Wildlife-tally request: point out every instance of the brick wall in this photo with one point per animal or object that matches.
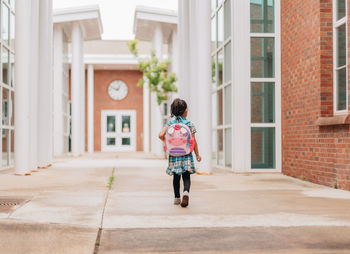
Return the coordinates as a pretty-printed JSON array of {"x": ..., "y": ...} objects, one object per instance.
[
  {"x": 133, "y": 101},
  {"x": 310, "y": 152}
]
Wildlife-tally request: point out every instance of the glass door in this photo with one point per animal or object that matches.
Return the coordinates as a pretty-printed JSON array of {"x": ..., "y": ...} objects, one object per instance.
[{"x": 118, "y": 130}]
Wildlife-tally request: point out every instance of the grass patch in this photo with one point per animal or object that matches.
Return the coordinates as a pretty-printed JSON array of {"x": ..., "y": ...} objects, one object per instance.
[{"x": 111, "y": 180}]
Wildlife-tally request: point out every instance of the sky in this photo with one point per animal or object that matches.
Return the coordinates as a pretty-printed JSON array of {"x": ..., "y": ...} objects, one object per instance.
[{"x": 117, "y": 15}]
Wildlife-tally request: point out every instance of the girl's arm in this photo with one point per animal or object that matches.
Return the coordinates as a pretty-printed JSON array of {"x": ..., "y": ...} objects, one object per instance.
[
  {"x": 161, "y": 135},
  {"x": 199, "y": 158}
]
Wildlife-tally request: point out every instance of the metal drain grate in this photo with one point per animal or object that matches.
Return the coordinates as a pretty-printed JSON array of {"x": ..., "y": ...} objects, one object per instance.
[{"x": 9, "y": 204}]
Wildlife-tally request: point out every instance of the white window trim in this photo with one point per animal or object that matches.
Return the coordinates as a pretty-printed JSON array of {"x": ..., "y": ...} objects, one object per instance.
[
  {"x": 336, "y": 25},
  {"x": 222, "y": 87},
  {"x": 10, "y": 128},
  {"x": 277, "y": 83}
]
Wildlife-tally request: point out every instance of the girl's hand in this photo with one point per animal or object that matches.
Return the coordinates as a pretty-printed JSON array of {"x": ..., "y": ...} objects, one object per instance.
[{"x": 199, "y": 158}]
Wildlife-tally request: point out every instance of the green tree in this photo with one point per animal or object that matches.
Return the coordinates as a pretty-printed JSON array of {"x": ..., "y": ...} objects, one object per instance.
[{"x": 155, "y": 72}]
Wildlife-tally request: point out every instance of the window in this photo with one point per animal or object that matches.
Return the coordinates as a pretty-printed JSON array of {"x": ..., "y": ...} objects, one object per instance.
[
  {"x": 66, "y": 105},
  {"x": 222, "y": 83},
  {"x": 340, "y": 56},
  {"x": 7, "y": 84},
  {"x": 165, "y": 111},
  {"x": 262, "y": 16},
  {"x": 263, "y": 84}
]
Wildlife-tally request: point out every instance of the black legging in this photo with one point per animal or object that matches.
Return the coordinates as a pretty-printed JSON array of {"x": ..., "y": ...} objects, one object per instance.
[{"x": 186, "y": 177}]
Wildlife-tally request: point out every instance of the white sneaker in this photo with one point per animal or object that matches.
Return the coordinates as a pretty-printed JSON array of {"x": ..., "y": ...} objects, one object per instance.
[
  {"x": 177, "y": 201},
  {"x": 185, "y": 199}
]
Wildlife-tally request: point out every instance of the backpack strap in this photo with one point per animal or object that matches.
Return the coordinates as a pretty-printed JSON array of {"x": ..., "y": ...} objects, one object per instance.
[{"x": 180, "y": 119}]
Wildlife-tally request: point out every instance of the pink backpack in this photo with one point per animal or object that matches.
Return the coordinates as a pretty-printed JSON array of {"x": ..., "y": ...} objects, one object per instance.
[{"x": 179, "y": 140}]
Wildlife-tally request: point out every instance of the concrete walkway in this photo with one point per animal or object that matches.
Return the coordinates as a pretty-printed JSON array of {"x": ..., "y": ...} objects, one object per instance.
[{"x": 69, "y": 209}]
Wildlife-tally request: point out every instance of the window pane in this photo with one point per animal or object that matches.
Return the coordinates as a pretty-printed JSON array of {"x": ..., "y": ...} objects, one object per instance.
[
  {"x": 214, "y": 109},
  {"x": 263, "y": 103},
  {"x": 110, "y": 141},
  {"x": 12, "y": 2},
  {"x": 228, "y": 104},
  {"x": 5, "y": 23},
  {"x": 12, "y": 30},
  {"x": 220, "y": 148},
  {"x": 215, "y": 146},
  {"x": 125, "y": 124},
  {"x": 262, "y": 58},
  {"x": 340, "y": 9},
  {"x": 219, "y": 108},
  {"x": 228, "y": 147},
  {"x": 125, "y": 141},
  {"x": 262, "y": 16},
  {"x": 12, "y": 154},
  {"x": 110, "y": 123},
  {"x": 263, "y": 147},
  {"x": 213, "y": 71},
  {"x": 12, "y": 66},
  {"x": 12, "y": 109},
  {"x": 5, "y": 106},
  {"x": 220, "y": 67},
  {"x": 213, "y": 34},
  {"x": 220, "y": 26},
  {"x": 5, "y": 67},
  {"x": 227, "y": 14},
  {"x": 227, "y": 64},
  {"x": 341, "y": 45},
  {"x": 213, "y": 5},
  {"x": 5, "y": 145},
  {"x": 341, "y": 89},
  {"x": 165, "y": 108}
]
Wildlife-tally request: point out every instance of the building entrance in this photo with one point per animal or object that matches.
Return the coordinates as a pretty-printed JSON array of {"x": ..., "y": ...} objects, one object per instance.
[{"x": 118, "y": 130}]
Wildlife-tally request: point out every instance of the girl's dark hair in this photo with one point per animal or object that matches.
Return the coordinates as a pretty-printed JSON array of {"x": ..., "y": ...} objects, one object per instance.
[{"x": 178, "y": 107}]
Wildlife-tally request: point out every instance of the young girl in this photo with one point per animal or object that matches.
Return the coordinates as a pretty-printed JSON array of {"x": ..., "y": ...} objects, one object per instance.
[{"x": 181, "y": 165}]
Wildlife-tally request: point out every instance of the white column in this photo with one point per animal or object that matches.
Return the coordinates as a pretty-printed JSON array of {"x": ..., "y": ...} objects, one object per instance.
[
  {"x": 203, "y": 94},
  {"x": 156, "y": 116},
  {"x": 76, "y": 79},
  {"x": 175, "y": 60},
  {"x": 50, "y": 84},
  {"x": 34, "y": 86},
  {"x": 45, "y": 84},
  {"x": 175, "y": 52},
  {"x": 22, "y": 75},
  {"x": 82, "y": 101},
  {"x": 90, "y": 73},
  {"x": 193, "y": 60},
  {"x": 241, "y": 89},
  {"x": 58, "y": 126},
  {"x": 157, "y": 42},
  {"x": 183, "y": 34},
  {"x": 146, "y": 114}
]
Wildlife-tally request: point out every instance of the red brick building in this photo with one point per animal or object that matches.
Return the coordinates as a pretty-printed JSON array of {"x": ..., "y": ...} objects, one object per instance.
[
  {"x": 287, "y": 108},
  {"x": 315, "y": 133}
]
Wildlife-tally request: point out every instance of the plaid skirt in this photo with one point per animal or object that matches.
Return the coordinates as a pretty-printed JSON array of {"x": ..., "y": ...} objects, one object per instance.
[{"x": 181, "y": 164}]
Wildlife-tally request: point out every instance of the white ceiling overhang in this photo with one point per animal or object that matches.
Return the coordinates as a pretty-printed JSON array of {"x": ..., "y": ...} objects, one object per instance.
[
  {"x": 146, "y": 19},
  {"x": 88, "y": 17}
]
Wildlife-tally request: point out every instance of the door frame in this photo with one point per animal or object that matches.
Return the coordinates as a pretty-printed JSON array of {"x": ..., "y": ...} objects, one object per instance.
[{"x": 119, "y": 134}]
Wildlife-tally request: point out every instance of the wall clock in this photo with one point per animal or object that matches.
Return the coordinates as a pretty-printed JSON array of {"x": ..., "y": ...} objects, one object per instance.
[{"x": 117, "y": 90}]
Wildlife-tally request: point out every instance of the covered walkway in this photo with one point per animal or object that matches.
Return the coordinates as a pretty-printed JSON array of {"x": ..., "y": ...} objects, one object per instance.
[{"x": 68, "y": 208}]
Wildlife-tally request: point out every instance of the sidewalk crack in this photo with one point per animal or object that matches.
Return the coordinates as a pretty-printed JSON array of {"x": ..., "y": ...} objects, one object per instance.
[{"x": 109, "y": 186}]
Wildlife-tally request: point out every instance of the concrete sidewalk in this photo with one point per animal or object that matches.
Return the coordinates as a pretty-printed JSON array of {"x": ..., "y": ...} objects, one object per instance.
[{"x": 68, "y": 205}]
